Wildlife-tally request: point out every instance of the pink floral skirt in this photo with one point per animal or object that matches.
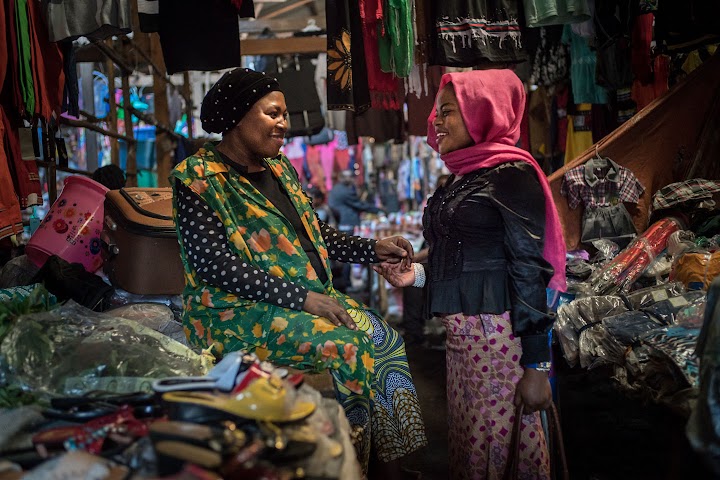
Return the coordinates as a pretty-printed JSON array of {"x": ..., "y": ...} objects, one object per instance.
[{"x": 483, "y": 370}]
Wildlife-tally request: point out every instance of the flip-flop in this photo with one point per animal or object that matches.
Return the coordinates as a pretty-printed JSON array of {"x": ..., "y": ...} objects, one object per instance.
[
  {"x": 223, "y": 377},
  {"x": 265, "y": 400},
  {"x": 226, "y": 440}
]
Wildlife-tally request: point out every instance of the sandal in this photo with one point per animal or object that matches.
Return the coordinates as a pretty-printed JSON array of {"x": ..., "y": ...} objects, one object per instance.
[
  {"x": 223, "y": 377},
  {"x": 265, "y": 400}
]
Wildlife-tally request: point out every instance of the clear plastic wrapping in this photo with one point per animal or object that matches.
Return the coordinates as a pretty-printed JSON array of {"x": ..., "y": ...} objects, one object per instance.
[
  {"x": 649, "y": 295},
  {"x": 579, "y": 316},
  {"x": 623, "y": 270},
  {"x": 72, "y": 350}
]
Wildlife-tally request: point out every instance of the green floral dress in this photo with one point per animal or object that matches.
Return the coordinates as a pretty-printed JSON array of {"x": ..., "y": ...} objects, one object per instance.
[{"x": 372, "y": 378}]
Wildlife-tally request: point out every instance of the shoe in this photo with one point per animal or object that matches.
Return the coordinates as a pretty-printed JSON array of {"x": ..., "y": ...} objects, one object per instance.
[
  {"x": 223, "y": 377},
  {"x": 264, "y": 400}
]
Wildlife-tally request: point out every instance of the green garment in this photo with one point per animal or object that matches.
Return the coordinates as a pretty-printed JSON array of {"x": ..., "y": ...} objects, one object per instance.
[
  {"x": 396, "y": 43},
  {"x": 25, "y": 56}
]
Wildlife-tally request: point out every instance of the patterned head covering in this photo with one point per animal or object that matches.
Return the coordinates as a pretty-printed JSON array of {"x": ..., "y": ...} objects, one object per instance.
[{"x": 231, "y": 98}]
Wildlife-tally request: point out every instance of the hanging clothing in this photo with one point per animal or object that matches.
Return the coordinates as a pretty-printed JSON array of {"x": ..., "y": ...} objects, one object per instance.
[
  {"x": 24, "y": 173},
  {"x": 555, "y": 12},
  {"x": 382, "y": 125},
  {"x": 551, "y": 60},
  {"x": 201, "y": 36},
  {"x": 579, "y": 132},
  {"x": 10, "y": 214},
  {"x": 477, "y": 32},
  {"x": 600, "y": 182},
  {"x": 583, "y": 62},
  {"x": 602, "y": 186},
  {"x": 296, "y": 76},
  {"x": 96, "y": 20},
  {"x": 383, "y": 85},
  {"x": 47, "y": 66},
  {"x": 371, "y": 359},
  {"x": 422, "y": 101},
  {"x": 24, "y": 65},
  {"x": 424, "y": 28},
  {"x": 347, "y": 81},
  {"x": 397, "y": 42}
]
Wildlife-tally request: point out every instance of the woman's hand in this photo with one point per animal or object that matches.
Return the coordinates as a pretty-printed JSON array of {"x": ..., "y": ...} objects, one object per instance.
[
  {"x": 325, "y": 306},
  {"x": 533, "y": 391},
  {"x": 396, "y": 274},
  {"x": 395, "y": 250}
]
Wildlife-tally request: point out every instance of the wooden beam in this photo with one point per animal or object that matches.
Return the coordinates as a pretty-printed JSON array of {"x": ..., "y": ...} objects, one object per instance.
[
  {"x": 188, "y": 104},
  {"x": 91, "y": 126},
  {"x": 286, "y": 9},
  {"x": 112, "y": 115},
  {"x": 130, "y": 159},
  {"x": 280, "y": 25},
  {"x": 163, "y": 143},
  {"x": 280, "y": 46}
]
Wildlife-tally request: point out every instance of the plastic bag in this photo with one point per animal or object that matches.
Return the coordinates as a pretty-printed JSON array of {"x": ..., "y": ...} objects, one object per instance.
[
  {"x": 692, "y": 315},
  {"x": 649, "y": 295},
  {"x": 665, "y": 311},
  {"x": 153, "y": 315},
  {"x": 72, "y": 350},
  {"x": 578, "y": 316}
]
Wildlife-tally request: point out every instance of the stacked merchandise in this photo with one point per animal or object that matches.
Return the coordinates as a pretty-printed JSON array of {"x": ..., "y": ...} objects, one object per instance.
[
  {"x": 108, "y": 392},
  {"x": 641, "y": 309}
]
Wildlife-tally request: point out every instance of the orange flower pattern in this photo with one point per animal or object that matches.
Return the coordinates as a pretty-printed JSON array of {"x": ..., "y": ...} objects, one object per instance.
[
  {"x": 259, "y": 236},
  {"x": 340, "y": 61}
]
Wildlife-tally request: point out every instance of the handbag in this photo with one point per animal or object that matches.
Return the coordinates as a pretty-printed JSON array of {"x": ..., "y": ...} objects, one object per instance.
[{"x": 556, "y": 448}]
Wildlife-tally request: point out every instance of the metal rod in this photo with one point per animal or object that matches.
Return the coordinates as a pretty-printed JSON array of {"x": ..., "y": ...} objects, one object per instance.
[{"x": 91, "y": 126}]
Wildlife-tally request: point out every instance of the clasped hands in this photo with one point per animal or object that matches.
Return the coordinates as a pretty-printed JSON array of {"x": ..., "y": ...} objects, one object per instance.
[{"x": 395, "y": 254}]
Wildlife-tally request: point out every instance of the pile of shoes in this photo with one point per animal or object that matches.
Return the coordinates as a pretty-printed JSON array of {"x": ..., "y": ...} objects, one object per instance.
[{"x": 244, "y": 419}]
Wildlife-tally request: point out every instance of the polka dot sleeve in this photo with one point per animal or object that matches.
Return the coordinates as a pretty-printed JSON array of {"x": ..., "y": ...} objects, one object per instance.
[
  {"x": 348, "y": 248},
  {"x": 203, "y": 238}
]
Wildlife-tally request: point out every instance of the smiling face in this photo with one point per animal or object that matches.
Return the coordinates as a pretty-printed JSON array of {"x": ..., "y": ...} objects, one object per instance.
[
  {"x": 449, "y": 125},
  {"x": 261, "y": 131}
]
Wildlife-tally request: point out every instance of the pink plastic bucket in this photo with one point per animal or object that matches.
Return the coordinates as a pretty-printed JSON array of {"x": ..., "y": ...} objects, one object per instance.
[{"x": 71, "y": 229}]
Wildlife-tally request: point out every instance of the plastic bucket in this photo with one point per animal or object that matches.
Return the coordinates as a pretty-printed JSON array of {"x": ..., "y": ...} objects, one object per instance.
[{"x": 71, "y": 229}]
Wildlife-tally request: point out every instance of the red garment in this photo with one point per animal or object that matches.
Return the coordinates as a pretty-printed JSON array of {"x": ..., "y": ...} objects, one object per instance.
[
  {"x": 492, "y": 103},
  {"x": 383, "y": 86},
  {"x": 643, "y": 94},
  {"x": 3, "y": 45},
  {"x": 11, "y": 92},
  {"x": 640, "y": 54},
  {"x": 24, "y": 173},
  {"x": 48, "y": 74},
  {"x": 10, "y": 215}
]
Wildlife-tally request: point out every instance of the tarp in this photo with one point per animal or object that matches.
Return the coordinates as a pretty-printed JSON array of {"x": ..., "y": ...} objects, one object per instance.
[{"x": 672, "y": 139}]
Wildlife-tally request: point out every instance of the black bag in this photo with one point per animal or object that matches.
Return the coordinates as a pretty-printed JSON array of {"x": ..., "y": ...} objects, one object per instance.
[{"x": 297, "y": 80}]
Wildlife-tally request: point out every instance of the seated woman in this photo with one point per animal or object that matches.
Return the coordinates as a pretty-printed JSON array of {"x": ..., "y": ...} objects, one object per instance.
[{"x": 257, "y": 269}]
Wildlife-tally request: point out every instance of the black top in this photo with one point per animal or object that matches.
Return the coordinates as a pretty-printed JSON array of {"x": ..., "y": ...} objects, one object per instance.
[
  {"x": 209, "y": 254},
  {"x": 485, "y": 234}
]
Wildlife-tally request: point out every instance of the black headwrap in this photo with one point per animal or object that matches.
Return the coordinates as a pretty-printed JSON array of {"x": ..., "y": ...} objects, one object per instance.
[{"x": 231, "y": 97}]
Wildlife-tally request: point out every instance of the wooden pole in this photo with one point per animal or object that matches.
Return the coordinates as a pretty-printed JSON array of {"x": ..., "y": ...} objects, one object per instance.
[
  {"x": 187, "y": 87},
  {"x": 130, "y": 163},
  {"x": 163, "y": 141},
  {"x": 112, "y": 115}
]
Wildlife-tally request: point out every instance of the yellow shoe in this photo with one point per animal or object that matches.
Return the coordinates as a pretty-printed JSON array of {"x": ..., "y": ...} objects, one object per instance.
[{"x": 265, "y": 399}]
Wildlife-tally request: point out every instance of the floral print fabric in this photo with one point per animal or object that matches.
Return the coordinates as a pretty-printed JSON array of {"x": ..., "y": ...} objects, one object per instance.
[{"x": 260, "y": 236}]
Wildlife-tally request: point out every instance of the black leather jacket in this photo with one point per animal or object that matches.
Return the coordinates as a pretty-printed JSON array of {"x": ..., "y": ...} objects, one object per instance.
[{"x": 486, "y": 237}]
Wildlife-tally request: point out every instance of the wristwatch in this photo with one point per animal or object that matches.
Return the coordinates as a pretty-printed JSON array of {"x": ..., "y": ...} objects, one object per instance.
[{"x": 543, "y": 366}]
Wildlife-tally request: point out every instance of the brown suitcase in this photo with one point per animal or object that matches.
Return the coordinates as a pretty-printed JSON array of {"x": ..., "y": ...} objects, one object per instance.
[{"x": 141, "y": 246}]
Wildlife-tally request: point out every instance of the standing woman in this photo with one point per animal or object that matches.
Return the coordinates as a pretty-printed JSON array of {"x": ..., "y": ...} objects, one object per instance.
[
  {"x": 257, "y": 269},
  {"x": 495, "y": 245}
]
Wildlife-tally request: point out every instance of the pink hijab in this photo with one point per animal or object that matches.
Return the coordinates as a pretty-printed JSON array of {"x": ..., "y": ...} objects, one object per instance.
[{"x": 492, "y": 103}]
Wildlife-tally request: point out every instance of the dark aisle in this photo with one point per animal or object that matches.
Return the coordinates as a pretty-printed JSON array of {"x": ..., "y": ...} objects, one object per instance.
[
  {"x": 608, "y": 436},
  {"x": 428, "y": 370}
]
